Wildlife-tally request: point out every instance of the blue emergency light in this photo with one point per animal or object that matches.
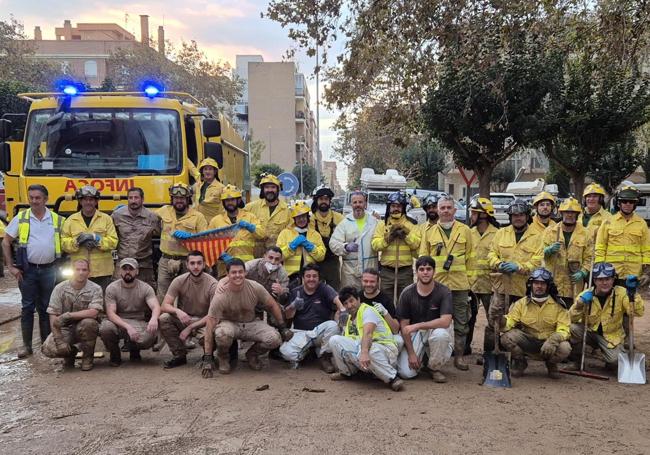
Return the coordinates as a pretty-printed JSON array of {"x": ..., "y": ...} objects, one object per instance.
[
  {"x": 151, "y": 91},
  {"x": 70, "y": 90}
]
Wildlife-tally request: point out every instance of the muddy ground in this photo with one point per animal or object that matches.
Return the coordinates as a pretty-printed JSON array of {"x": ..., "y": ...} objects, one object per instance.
[{"x": 142, "y": 409}]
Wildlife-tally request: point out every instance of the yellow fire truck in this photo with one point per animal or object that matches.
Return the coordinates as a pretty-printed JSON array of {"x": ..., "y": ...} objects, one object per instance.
[{"x": 115, "y": 141}]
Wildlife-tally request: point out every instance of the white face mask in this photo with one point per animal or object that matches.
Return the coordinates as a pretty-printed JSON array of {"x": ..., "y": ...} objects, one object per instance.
[
  {"x": 539, "y": 299},
  {"x": 446, "y": 225},
  {"x": 271, "y": 267},
  {"x": 300, "y": 230}
]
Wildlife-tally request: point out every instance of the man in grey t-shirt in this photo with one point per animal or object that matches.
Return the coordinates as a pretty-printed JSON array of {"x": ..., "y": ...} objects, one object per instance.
[{"x": 425, "y": 313}]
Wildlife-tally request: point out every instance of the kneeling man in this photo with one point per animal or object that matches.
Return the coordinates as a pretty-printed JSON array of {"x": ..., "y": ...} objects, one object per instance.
[
  {"x": 367, "y": 344},
  {"x": 126, "y": 302}
]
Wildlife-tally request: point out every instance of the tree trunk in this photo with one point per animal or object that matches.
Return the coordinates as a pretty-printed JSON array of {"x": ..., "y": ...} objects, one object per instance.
[
  {"x": 578, "y": 184},
  {"x": 484, "y": 176}
]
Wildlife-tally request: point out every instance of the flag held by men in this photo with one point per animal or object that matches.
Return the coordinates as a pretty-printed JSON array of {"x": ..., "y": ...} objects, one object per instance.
[{"x": 211, "y": 243}]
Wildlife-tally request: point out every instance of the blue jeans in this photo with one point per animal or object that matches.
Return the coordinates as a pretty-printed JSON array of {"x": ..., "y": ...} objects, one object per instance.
[{"x": 36, "y": 288}]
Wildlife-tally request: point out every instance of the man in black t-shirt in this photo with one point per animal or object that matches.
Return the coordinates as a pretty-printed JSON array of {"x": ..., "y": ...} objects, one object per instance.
[
  {"x": 372, "y": 295},
  {"x": 425, "y": 313},
  {"x": 312, "y": 308}
]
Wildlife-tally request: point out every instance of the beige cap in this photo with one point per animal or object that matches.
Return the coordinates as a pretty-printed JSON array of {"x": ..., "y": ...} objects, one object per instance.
[{"x": 129, "y": 261}]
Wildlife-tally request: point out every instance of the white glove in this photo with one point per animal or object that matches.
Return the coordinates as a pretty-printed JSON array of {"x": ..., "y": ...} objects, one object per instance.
[{"x": 380, "y": 308}]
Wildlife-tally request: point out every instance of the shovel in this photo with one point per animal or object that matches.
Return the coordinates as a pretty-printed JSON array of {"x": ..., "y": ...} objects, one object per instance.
[
  {"x": 496, "y": 364},
  {"x": 631, "y": 365}
]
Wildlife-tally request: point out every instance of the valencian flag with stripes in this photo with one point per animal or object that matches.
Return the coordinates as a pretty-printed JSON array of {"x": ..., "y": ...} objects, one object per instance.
[{"x": 211, "y": 243}]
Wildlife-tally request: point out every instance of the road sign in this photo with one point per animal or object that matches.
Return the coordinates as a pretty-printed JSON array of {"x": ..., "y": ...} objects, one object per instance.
[
  {"x": 464, "y": 174},
  {"x": 290, "y": 184}
]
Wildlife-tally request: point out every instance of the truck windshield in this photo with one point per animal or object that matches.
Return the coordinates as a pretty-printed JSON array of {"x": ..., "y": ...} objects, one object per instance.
[{"x": 108, "y": 141}]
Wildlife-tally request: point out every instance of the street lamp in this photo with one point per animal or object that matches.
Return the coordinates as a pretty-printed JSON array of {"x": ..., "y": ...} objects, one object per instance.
[{"x": 302, "y": 188}]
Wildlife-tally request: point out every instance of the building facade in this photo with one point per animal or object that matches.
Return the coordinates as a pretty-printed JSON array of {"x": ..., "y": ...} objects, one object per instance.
[
  {"x": 275, "y": 110},
  {"x": 83, "y": 51}
]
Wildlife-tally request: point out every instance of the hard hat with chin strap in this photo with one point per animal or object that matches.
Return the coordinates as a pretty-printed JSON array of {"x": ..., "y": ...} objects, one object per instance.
[
  {"x": 181, "y": 190},
  {"x": 570, "y": 205},
  {"x": 483, "y": 205},
  {"x": 544, "y": 196},
  {"x": 594, "y": 188},
  {"x": 270, "y": 178},
  {"x": 299, "y": 208},
  {"x": 230, "y": 192}
]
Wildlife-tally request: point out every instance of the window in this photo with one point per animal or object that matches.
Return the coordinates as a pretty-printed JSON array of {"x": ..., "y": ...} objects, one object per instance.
[
  {"x": 451, "y": 189},
  {"x": 90, "y": 68}
]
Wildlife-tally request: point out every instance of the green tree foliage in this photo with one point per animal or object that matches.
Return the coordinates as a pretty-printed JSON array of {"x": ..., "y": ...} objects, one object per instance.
[
  {"x": 558, "y": 176},
  {"x": 265, "y": 168},
  {"x": 619, "y": 161},
  {"x": 503, "y": 174},
  {"x": 184, "y": 69},
  {"x": 308, "y": 178}
]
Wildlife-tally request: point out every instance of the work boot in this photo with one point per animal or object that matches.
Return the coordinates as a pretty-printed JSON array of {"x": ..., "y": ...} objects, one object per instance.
[
  {"x": 160, "y": 343},
  {"x": 224, "y": 363},
  {"x": 175, "y": 362},
  {"x": 24, "y": 352},
  {"x": 518, "y": 367},
  {"x": 115, "y": 358},
  {"x": 44, "y": 327},
  {"x": 253, "y": 359},
  {"x": 69, "y": 360},
  {"x": 134, "y": 355},
  {"x": 396, "y": 384},
  {"x": 459, "y": 348},
  {"x": 326, "y": 363},
  {"x": 438, "y": 377},
  {"x": 553, "y": 371},
  {"x": 87, "y": 363}
]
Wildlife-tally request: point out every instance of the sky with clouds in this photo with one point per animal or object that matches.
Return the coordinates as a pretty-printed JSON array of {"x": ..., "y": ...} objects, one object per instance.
[{"x": 222, "y": 28}]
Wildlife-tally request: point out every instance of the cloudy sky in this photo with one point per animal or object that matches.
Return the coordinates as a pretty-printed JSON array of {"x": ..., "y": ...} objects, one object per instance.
[{"x": 223, "y": 28}]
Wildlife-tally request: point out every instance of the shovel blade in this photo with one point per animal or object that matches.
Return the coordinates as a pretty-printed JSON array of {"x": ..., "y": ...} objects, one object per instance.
[
  {"x": 496, "y": 370},
  {"x": 631, "y": 370}
]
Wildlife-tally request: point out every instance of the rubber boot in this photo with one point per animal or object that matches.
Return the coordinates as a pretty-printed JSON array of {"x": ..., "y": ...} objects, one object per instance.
[
  {"x": 27, "y": 329},
  {"x": 44, "y": 327},
  {"x": 553, "y": 371},
  {"x": 69, "y": 360},
  {"x": 518, "y": 366},
  {"x": 459, "y": 348}
]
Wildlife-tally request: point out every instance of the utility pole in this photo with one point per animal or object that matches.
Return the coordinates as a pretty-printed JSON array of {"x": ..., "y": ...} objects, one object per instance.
[{"x": 318, "y": 153}]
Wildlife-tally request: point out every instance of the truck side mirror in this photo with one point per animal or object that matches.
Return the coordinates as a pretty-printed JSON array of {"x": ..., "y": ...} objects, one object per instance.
[
  {"x": 5, "y": 157},
  {"x": 6, "y": 129},
  {"x": 214, "y": 151},
  {"x": 211, "y": 127}
]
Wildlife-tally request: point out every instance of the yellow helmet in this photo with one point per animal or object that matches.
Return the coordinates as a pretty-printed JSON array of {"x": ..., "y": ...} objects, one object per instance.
[
  {"x": 270, "y": 178},
  {"x": 570, "y": 205},
  {"x": 209, "y": 162},
  {"x": 230, "y": 192},
  {"x": 594, "y": 188},
  {"x": 544, "y": 196},
  {"x": 299, "y": 208},
  {"x": 181, "y": 189},
  {"x": 482, "y": 204}
]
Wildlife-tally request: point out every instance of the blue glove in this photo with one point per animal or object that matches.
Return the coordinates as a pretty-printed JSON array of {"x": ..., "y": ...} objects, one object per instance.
[
  {"x": 508, "y": 267},
  {"x": 225, "y": 257},
  {"x": 552, "y": 249},
  {"x": 250, "y": 227},
  {"x": 587, "y": 296},
  {"x": 182, "y": 235},
  {"x": 632, "y": 282},
  {"x": 578, "y": 276},
  {"x": 98, "y": 238},
  {"x": 309, "y": 246},
  {"x": 295, "y": 243}
]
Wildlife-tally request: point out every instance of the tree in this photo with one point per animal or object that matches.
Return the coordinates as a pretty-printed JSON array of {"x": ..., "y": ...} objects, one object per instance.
[
  {"x": 503, "y": 174},
  {"x": 558, "y": 176},
  {"x": 619, "y": 161},
  {"x": 9, "y": 102},
  {"x": 605, "y": 93},
  {"x": 265, "y": 168},
  {"x": 308, "y": 178},
  {"x": 185, "y": 69},
  {"x": 17, "y": 62},
  {"x": 492, "y": 81},
  {"x": 427, "y": 159}
]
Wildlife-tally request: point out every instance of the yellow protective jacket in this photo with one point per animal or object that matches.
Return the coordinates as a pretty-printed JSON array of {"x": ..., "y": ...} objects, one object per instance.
[
  {"x": 505, "y": 248},
  {"x": 580, "y": 251},
  {"x": 294, "y": 259},
  {"x": 538, "y": 321},
  {"x": 610, "y": 315},
  {"x": 325, "y": 225},
  {"x": 210, "y": 205},
  {"x": 537, "y": 227},
  {"x": 274, "y": 222},
  {"x": 625, "y": 244},
  {"x": 408, "y": 248},
  {"x": 594, "y": 222},
  {"x": 243, "y": 244},
  {"x": 101, "y": 258},
  {"x": 459, "y": 244},
  {"x": 478, "y": 267},
  {"x": 193, "y": 222}
]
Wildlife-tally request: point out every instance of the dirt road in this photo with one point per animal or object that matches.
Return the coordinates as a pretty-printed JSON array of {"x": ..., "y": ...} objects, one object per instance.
[{"x": 142, "y": 409}]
